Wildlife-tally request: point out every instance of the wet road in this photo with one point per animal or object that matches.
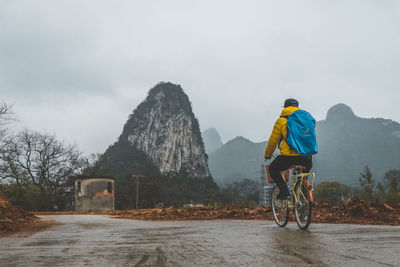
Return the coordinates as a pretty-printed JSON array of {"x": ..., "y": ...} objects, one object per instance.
[{"x": 95, "y": 240}]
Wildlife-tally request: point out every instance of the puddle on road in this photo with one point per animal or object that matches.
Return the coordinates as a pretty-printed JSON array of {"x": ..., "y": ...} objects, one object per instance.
[
  {"x": 297, "y": 243},
  {"x": 45, "y": 242},
  {"x": 90, "y": 225},
  {"x": 304, "y": 258}
]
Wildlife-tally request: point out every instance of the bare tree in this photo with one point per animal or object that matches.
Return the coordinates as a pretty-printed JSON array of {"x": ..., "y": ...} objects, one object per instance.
[
  {"x": 6, "y": 116},
  {"x": 91, "y": 164},
  {"x": 40, "y": 160}
]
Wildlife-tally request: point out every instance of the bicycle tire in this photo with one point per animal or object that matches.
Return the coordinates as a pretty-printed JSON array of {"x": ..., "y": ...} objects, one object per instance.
[
  {"x": 280, "y": 208},
  {"x": 302, "y": 208}
]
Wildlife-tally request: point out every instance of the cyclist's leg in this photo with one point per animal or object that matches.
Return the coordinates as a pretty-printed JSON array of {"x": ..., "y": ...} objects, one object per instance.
[
  {"x": 279, "y": 164},
  {"x": 307, "y": 162}
]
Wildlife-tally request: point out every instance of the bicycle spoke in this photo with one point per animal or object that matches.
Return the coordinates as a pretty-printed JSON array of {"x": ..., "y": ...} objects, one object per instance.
[
  {"x": 302, "y": 206},
  {"x": 280, "y": 209}
]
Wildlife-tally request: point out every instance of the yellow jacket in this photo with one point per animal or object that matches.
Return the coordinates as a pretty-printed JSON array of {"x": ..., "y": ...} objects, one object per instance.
[{"x": 279, "y": 132}]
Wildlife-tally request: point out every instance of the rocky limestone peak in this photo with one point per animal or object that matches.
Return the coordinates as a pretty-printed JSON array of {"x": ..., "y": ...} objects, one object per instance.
[
  {"x": 164, "y": 127},
  {"x": 340, "y": 112},
  {"x": 212, "y": 140}
]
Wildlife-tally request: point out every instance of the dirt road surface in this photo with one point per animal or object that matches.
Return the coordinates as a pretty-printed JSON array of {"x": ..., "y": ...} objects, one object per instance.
[{"x": 98, "y": 240}]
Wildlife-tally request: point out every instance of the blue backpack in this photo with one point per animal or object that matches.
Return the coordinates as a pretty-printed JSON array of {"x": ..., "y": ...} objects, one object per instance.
[{"x": 301, "y": 133}]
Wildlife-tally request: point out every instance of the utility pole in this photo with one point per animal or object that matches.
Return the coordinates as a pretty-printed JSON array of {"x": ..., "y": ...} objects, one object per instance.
[
  {"x": 137, "y": 187},
  {"x": 263, "y": 202},
  {"x": 137, "y": 191}
]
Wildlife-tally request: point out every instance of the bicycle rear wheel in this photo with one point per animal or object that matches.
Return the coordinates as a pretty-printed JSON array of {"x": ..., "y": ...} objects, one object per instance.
[
  {"x": 280, "y": 208},
  {"x": 303, "y": 206}
]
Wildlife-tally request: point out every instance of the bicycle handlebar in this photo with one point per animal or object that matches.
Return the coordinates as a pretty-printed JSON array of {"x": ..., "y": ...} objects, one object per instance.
[{"x": 272, "y": 156}]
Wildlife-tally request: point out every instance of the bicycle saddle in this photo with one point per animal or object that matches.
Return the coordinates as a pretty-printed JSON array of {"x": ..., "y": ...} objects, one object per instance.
[{"x": 301, "y": 167}]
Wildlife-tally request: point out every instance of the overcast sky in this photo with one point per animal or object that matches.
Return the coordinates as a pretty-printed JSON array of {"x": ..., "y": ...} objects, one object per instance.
[{"x": 79, "y": 68}]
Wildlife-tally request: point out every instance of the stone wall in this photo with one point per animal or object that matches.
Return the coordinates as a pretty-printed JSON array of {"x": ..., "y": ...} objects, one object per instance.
[{"x": 94, "y": 194}]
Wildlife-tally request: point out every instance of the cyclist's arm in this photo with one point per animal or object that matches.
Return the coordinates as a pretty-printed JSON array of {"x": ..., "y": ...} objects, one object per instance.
[{"x": 273, "y": 139}]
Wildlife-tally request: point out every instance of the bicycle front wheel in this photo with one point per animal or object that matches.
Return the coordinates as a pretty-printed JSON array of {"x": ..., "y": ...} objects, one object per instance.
[
  {"x": 280, "y": 208},
  {"x": 302, "y": 205}
]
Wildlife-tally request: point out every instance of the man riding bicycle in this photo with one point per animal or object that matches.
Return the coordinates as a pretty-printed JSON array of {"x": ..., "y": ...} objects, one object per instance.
[{"x": 288, "y": 156}]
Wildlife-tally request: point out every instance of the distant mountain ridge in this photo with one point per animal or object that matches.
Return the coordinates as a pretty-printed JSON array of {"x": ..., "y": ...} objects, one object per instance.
[
  {"x": 237, "y": 159},
  {"x": 346, "y": 143},
  {"x": 212, "y": 140}
]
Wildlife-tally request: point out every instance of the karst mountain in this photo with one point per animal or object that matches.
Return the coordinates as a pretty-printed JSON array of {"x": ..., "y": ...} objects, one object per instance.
[
  {"x": 162, "y": 133},
  {"x": 160, "y": 142}
]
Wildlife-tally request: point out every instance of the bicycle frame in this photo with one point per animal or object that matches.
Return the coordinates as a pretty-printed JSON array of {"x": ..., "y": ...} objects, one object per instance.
[
  {"x": 302, "y": 177},
  {"x": 296, "y": 174}
]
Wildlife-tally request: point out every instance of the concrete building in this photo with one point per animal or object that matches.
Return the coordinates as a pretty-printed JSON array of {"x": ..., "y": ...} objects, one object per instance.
[{"x": 94, "y": 194}]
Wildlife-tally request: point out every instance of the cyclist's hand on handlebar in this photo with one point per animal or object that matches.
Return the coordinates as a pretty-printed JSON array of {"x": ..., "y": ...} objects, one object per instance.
[{"x": 268, "y": 158}]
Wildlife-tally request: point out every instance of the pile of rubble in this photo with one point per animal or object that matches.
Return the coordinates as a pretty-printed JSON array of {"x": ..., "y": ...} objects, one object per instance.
[
  {"x": 12, "y": 217},
  {"x": 357, "y": 212},
  {"x": 195, "y": 213}
]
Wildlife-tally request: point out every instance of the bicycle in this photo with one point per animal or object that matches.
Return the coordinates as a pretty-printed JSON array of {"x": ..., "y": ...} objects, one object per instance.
[{"x": 300, "y": 198}]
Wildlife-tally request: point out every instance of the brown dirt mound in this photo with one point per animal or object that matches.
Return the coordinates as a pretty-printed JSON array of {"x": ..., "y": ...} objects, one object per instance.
[
  {"x": 195, "y": 213},
  {"x": 11, "y": 217},
  {"x": 71, "y": 212},
  {"x": 356, "y": 212}
]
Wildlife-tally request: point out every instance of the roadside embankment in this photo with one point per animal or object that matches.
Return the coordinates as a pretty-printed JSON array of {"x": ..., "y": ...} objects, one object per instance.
[
  {"x": 195, "y": 213},
  {"x": 355, "y": 212}
]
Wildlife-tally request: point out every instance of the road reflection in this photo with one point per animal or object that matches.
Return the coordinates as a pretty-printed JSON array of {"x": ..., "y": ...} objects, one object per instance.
[{"x": 94, "y": 240}]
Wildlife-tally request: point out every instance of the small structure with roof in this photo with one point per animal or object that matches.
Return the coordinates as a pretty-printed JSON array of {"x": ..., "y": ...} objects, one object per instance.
[{"x": 94, "y": 194}]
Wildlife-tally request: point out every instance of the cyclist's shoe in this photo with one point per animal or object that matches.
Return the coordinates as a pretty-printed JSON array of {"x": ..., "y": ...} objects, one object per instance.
[{"x": 283, "y": 193}]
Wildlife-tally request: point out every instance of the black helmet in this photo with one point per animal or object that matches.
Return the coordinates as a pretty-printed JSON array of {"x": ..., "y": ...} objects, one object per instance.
[{"x": 291, "y": 102}]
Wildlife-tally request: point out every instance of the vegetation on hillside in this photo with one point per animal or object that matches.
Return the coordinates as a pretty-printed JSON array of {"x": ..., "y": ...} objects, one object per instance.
[
  {"x": 332, "y": 192},
  {"x": 386, "y": 192}
]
